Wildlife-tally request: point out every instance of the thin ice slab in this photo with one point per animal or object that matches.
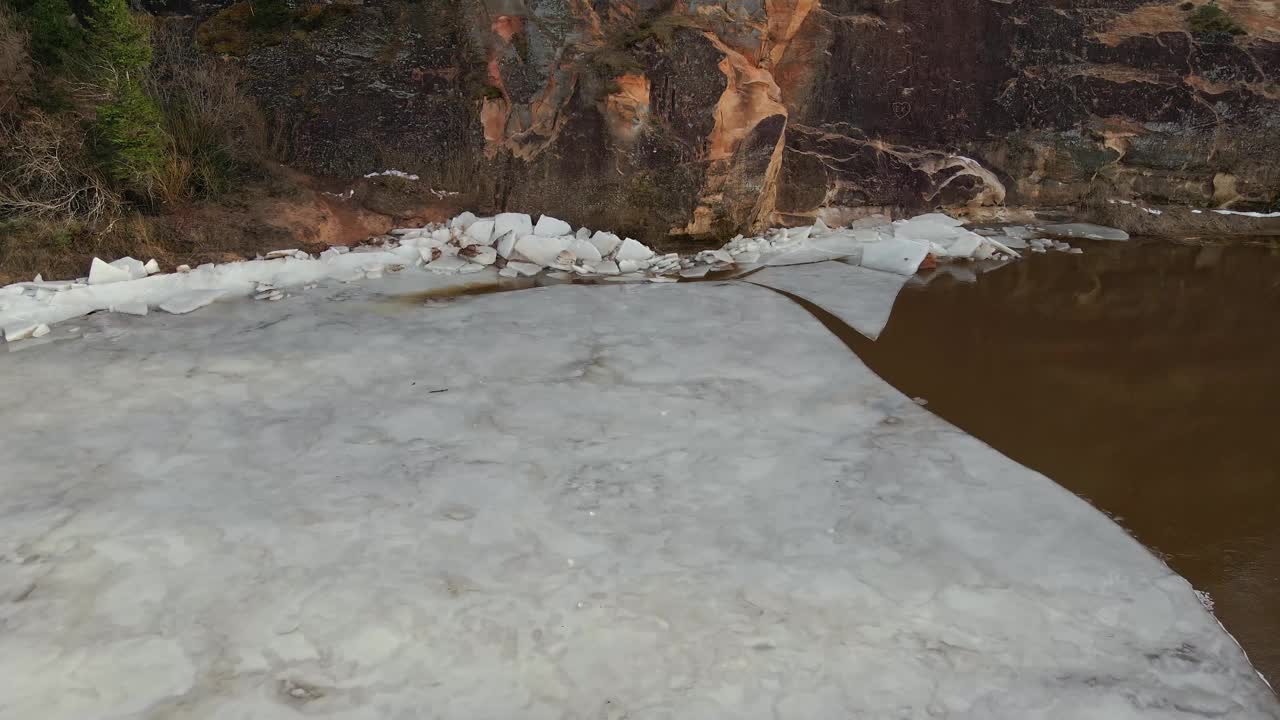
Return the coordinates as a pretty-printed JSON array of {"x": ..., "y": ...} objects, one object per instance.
[{"x": 860, "y": 297}]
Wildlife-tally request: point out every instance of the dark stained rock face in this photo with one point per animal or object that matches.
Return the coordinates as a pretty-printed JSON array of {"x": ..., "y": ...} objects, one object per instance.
[{"x": 704, "y": 118}]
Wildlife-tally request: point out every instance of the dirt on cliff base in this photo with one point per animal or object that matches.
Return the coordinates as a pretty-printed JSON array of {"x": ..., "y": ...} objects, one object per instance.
[{"x": 287, "y": 209}]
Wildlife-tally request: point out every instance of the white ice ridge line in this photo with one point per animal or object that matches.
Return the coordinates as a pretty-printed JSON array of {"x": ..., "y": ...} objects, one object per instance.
[{"x": 513, "y": 244}]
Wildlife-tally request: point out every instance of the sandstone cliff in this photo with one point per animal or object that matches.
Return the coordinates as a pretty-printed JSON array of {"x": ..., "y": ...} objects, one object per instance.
[{"x": 703, "y": 118}]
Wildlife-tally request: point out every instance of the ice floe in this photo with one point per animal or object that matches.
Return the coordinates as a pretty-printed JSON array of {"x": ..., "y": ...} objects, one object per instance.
[{"x": 680, "y": 501}]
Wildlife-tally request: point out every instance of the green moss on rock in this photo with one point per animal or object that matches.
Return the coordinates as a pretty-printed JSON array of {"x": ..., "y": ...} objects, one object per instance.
[{"x": 1210, "y": 19}]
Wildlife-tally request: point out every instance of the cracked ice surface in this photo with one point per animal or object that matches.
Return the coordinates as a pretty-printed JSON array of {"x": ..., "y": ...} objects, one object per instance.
[{"x": 687, "y": 501}]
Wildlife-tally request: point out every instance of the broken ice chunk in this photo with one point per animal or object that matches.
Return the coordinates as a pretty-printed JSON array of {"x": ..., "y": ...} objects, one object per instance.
[
  {"x": 40, "y": 331},
  {"x": 152, "y": 267},
  {"x": 711, "y": 257},
  {"x": 628, "y": 266},
  {"x": 524, "y": 268},
  {"x": 551, "y": 227},
  {"x": 541, "y": 249},
  {"x": 605, "y": 242},
  {"x": 961, "y": 245},
  {"x": 409, "y": 253},
  {"x": 933, "y": 227},
  {"x": 447, "y": 264},
  {"x": 463, "y": 221},
  {"x": 697, "y": 271},
  {"x": 585, "y": 251},
  {"x": 479, "y": 232},
  {"x": 506, "y": 243},
  {"x": 895, "y": 255},
  {"x": 101, "y": 273},
  {"x": 633, "y": 250},
  {"x": 564, "y": 260},
  {"x": 485, "y": 256},
  {"x": 607, "y": 267},
  {"x": 280, "y": 253},
  {"x": 508, "y": 272},
  {"x": 19, "y": 331},
  {"x": 583, "y": 234},
  {"x": 516, "y": 223},
  {"x": 135, "y": 268},
  {"x": 430, "y": 254}
]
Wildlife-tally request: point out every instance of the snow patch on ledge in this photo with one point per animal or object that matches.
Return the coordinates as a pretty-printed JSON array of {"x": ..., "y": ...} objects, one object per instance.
[
  {"x": 392, "y": 173},
  {"x": 1130, "y": 203},
  {"x": 1251, "y": 214}
]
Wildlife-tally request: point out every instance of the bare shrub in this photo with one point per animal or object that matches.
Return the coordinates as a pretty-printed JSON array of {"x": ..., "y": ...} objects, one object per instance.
[{"x": 46, "y": 171}]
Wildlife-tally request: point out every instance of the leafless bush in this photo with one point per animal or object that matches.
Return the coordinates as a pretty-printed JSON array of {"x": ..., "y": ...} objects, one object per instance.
[{"x": 46, "y": 171}]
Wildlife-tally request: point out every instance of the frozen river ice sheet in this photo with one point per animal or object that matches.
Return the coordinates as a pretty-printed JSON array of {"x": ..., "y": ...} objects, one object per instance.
[{"x": 685, "y": 501}]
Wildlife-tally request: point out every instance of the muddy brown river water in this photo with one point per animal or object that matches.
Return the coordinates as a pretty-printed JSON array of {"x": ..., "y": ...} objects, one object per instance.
[{"x": 1144, "y": 377}]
